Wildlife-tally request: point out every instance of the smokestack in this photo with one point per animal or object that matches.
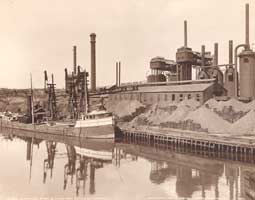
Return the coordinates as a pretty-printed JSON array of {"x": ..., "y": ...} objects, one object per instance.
[
  {"x": 247, "y": 42},
  {"x": 66, "y": 77},
  {"x": 74, "y": 59},
  {"x": 203, "y": 55},
  {"x": 119, "y": 72},
  {"x": 185, "y": 34},
  {"x": 93, "y": 61},
  {"x": 230, "y": 52},
  {"x": 215, "y": 59}
]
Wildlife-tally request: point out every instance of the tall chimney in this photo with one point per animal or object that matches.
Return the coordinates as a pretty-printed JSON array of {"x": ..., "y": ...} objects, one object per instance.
[
  {"x": 185, "y": 34},
  {"x": 93, "y": 61},
  {"x": 247, "y": 42},
  {"x": 215, "y": 59},
  {"x": 230, "y": 52},
  {"x": 74, "y": 59},
  {"x": 203, "y": 55},
  {"x": 119, "y": 72}
]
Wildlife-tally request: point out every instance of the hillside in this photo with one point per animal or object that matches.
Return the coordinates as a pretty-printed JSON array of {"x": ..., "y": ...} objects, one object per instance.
[{"x": 15, "y": 100}]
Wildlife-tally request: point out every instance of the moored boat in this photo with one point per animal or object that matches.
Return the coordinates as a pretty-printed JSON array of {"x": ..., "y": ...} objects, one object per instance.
[{"x": 98, "y": 124}]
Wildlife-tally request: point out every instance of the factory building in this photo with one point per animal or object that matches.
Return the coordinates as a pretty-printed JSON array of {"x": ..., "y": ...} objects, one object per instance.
[
  {"x": 200, "y": 90},
  {"x": 173, "y": 80}
]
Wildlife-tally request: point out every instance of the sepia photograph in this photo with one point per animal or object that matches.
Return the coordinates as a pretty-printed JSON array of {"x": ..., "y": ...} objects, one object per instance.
[{"x": 127, "y": 100}]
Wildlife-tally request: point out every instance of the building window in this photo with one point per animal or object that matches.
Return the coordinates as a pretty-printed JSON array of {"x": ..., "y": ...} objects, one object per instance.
[
  {"x": 189, "y": 96},
  {"x": 198, "y": 97},
  {"x": 180, "y": 97},
  {"x": 173, "y": 97},
  {"x": 165, "y": 97}
]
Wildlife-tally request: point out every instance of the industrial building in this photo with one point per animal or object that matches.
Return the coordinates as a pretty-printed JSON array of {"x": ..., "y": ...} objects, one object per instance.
[
  {"x": 172, "y": 80},
  {"x": 200, "y": 90},
  {"x": 192, "y": 75}
]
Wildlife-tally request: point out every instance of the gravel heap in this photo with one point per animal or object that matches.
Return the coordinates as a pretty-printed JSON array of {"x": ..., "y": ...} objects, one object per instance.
[{"x": 209, "y": 120}]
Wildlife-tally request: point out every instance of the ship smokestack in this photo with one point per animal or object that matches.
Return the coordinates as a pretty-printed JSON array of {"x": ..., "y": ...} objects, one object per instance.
[
  {"x": 93, "y": 61},
  {"x": 74, "y": 59},
  {"x": 185, "y": 34}
]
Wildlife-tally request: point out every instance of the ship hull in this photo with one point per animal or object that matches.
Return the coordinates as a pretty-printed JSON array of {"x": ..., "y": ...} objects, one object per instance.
[{"x": 96, "y": 132}]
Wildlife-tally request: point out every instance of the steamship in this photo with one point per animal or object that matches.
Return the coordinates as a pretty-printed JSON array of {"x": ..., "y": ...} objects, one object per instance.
[{"x": 98, "y": 124}]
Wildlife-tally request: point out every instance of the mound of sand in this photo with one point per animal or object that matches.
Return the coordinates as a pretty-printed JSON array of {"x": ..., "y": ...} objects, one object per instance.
[
  {"x": 209, "y": 120},
  {"x": 190, "y": 110},
  {"x": 235, "y": 104},
  {"x": 167, "y": 112},
  {"x": 245, "y": 125}
]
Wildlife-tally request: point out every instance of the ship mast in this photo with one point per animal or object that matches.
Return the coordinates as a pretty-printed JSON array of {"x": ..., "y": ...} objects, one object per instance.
[
  {"x": 32, "y": 100},
  {"x": 86, "y": 93}
]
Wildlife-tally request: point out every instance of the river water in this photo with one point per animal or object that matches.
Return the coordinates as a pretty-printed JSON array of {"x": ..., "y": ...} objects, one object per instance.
[{"x": 66, "y": 168}]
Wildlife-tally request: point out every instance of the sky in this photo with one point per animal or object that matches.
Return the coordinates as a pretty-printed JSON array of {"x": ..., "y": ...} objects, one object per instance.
[{"x": 38, "y": 35}]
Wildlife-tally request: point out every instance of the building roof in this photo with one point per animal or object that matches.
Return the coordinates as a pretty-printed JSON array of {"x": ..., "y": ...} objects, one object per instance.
[{"x": 176, "y": 88}]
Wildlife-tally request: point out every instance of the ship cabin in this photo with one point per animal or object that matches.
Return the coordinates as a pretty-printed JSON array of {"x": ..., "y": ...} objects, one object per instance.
[{"x": 97, "y": 115}]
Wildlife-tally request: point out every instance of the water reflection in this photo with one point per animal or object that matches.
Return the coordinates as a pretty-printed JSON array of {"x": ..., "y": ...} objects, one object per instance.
[
  {"x": 48, "y": 163},
  {"x": 127, "y": 171}
]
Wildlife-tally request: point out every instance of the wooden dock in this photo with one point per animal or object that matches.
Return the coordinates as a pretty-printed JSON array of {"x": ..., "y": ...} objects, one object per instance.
[{"x": 222, "y": 145}]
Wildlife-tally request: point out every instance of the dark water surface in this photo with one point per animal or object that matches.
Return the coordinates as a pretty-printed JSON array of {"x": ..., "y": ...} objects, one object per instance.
[{"x": 33, "y": 168}]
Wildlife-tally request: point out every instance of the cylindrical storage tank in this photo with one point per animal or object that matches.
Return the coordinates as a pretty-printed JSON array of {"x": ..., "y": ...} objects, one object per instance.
[{"x": 247, "y": 74}]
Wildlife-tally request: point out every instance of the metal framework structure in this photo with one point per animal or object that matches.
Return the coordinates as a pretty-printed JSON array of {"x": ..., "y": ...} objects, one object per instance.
[
  {"x": 77, "y": 88},
  {"x": 52, "y": 101}
]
